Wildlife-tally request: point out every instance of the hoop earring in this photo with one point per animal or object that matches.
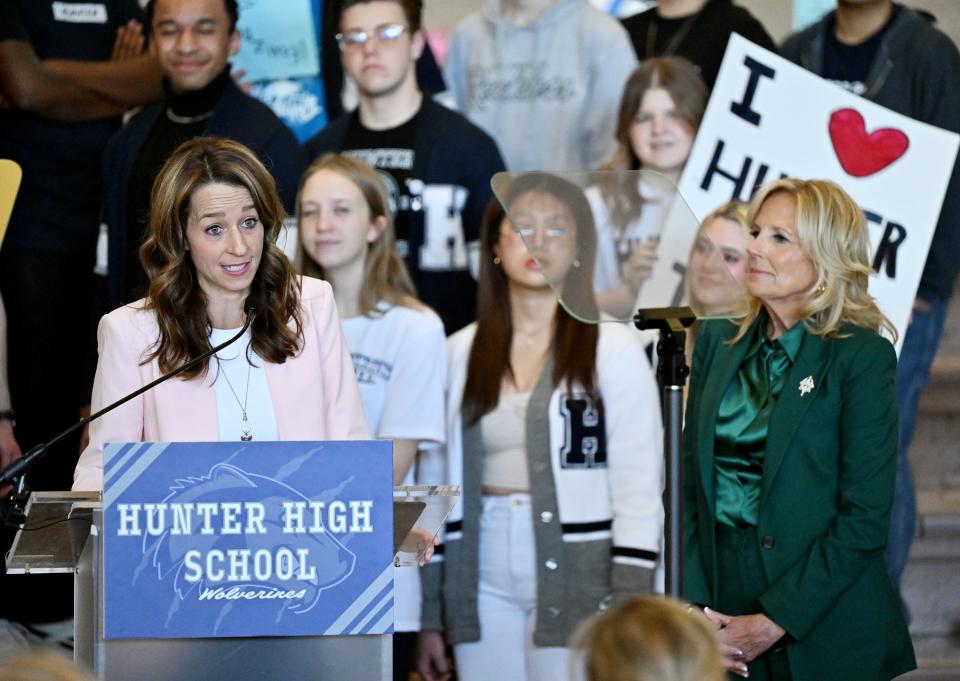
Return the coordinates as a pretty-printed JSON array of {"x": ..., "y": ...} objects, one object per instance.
[{"x": 496, "y": 260}]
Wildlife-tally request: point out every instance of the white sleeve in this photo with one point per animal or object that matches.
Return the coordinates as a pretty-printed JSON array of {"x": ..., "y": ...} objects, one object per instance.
[
  {"x": 455, "y": 70},
  {"x": 606, "y": 273},
  {"x": 635, "y": 452},
  {"x": 413, "y": 405},
  {"x": 344, "y": 417}
]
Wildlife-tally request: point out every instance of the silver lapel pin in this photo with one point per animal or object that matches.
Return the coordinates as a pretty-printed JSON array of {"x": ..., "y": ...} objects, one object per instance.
[{"x": 806, "y": 385}]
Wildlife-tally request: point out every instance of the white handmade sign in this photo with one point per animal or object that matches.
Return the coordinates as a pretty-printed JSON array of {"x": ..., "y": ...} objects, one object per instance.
[{"x": 769, "y": 118}]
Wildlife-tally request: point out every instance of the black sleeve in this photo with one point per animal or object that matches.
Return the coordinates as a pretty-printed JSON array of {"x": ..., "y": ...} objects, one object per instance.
[
  {"x": 429, "y": 76},
  {"x": 636, "y": 26},
  {"x": 485, "y": 162},
  {"x": 936, "y": 93},
  {"x": 11, "y": 23},
  {"x": 792, "y": 48},
  {"x": 330, "y": 67}
]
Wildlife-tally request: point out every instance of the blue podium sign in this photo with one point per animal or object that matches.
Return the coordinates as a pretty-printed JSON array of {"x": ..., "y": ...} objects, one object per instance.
[{"x": 223, "y": 539}]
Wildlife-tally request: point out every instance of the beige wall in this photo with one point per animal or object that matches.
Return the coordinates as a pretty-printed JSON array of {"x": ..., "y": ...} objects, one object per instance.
[
  {"x": 947, "y": 13},
  {"x": 776, "y": 15},
  {"x": 447, "y": 13}
]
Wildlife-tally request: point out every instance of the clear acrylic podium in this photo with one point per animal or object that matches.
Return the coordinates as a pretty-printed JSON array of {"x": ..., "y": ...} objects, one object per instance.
[{"x": 62, "y": 534}]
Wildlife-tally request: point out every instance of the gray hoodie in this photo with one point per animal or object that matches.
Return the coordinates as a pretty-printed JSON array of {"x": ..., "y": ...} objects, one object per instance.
[{"x": 548, "y": 93}]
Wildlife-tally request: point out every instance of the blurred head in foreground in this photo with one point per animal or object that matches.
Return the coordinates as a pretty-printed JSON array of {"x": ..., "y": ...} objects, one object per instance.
[
  {"x": 650, "y": 639},
  {"x": 39, "y": 664}
]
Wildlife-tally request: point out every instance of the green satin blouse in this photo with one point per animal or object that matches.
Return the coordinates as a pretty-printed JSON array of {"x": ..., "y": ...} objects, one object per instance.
[{"x": 742, "y": 419}]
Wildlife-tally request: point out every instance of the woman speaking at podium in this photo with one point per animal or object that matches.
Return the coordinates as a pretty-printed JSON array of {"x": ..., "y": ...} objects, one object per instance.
[
  {"x": 212, "y": 259},
  {"x": 790, "y": 449}
]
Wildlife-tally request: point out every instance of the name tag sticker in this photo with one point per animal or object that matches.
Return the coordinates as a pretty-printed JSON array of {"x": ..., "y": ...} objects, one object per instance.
[{"x": 80, "y": 13}]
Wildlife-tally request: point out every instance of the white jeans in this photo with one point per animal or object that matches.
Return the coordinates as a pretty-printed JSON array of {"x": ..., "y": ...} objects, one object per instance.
[{"x": 507, "y": 601}]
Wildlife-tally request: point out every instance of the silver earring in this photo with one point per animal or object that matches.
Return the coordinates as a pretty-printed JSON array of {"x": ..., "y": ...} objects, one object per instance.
[
  {"x": 496, "y": 260},
  {"x": 576, "y": 262}
]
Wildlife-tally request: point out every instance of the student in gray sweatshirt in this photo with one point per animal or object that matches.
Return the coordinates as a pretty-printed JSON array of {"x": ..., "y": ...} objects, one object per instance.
[{"x": 544, "y": 78}]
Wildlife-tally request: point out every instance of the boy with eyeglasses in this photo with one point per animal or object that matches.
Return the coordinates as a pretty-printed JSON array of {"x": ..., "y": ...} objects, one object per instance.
[{"x": 436, "y": 163}]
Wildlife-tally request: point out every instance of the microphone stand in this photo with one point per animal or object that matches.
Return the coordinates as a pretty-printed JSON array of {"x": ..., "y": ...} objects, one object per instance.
[
  {"x": 15, "y": 472},
  {"x": 673, "y": 370}
]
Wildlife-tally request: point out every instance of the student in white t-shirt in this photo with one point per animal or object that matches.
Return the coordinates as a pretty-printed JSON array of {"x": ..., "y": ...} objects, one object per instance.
[
  {"x": 397, "y": 343},
  {"x": 662, "y": 104}
]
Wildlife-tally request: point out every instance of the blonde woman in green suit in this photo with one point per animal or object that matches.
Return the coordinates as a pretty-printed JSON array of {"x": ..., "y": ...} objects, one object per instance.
[{"x": 790, "y": 444}]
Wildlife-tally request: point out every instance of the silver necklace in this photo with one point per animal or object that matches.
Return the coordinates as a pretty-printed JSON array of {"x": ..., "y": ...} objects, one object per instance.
[
  {"x": 245, "y": 432},
  {"x": 187, "y": 120}
]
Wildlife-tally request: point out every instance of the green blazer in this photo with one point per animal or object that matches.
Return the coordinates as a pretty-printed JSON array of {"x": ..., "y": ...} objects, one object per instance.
[{"x": 826, "y": 493}]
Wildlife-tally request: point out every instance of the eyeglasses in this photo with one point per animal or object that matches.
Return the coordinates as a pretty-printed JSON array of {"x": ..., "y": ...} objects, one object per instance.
[
  {"x": 385, "y": 33},
  {"x": 527, "y": 230}
]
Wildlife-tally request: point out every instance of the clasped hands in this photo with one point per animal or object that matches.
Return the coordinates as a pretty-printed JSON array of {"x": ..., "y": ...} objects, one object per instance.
[{"x": 743, "y": 638}]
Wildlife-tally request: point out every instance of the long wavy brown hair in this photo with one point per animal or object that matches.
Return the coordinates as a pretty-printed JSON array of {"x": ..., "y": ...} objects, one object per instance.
[
  {"x": 680, "y": 79},
  {"x": 574, "y": 342},
  {"x": 174, "y": 293},
  {"x": 385, "y": 277}
]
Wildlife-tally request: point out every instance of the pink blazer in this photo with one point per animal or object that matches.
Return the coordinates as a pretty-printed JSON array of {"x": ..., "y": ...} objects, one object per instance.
[{"x": 314, "y": 394}]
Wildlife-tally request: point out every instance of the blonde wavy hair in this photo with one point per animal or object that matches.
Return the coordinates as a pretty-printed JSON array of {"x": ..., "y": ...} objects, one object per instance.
[
  {"x": 649, "y": 639},
  {"x": 385, "y": 277},
  {"x": 832, "y": 230},
  {"x": 734, "y": 211}
]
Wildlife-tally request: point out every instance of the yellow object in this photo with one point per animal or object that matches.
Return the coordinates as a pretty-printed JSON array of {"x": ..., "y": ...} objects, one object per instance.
[{"x": 10, "y": 176}]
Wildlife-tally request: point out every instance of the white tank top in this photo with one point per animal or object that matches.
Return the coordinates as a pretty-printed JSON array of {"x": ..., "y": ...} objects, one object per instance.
[{"x": 504, "y": 434}]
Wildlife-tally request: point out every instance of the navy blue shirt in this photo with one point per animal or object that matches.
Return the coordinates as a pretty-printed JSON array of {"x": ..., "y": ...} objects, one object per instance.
[
  {"x": 849, "y": 65},
  {"x": 58, "y": 207}
]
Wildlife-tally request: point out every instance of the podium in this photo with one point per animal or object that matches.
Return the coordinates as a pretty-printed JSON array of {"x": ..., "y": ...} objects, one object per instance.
[{"x": 64, "y": 532}]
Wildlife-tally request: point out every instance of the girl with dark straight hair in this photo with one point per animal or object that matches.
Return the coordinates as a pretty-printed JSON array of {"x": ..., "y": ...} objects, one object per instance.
[{"x": 554, "y": 434}]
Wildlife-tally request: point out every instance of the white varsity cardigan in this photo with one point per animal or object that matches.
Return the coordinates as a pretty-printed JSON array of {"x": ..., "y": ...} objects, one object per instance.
[{"x": 598, "y": 523}]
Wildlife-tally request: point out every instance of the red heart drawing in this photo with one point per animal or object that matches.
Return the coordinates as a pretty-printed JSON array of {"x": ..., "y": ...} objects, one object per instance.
[{"x": 861, "y": 154}]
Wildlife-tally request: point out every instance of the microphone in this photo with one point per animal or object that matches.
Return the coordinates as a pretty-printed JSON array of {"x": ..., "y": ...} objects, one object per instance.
[{"x": 18, "y": 468}]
